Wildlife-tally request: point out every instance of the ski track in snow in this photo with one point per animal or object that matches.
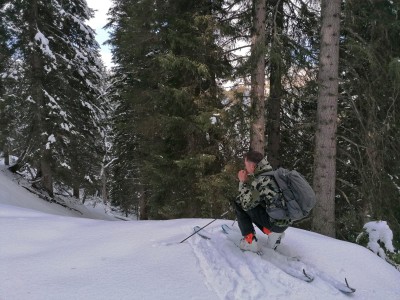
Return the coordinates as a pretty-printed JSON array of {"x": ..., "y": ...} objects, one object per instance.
[
  {"x": 67, "y": 252},
  {"x": 233, "y": 274}
]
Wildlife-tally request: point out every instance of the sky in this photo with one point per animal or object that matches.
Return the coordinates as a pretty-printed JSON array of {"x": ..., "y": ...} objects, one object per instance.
[
  {"x": 97, "y": 23},
  {"x": 51, "y": 252}
]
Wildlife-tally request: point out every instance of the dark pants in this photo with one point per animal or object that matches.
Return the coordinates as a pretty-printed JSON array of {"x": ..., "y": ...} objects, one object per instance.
[{"x": 258, "y": 216}]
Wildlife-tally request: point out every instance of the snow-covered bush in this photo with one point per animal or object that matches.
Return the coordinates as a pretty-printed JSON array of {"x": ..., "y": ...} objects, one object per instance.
[{"x": 378, "y": 237}]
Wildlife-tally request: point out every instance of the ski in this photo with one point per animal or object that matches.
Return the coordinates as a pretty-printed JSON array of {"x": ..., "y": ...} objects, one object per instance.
[
  {"x": 202, "y": 234},
  {"x": 299, "y": 274},
  {"x": 294, "y": 266},
  {"x": 339, "y": 285}
]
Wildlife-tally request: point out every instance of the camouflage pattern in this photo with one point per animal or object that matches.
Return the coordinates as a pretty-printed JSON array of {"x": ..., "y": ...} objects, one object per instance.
[{"x": 258, "y": 190}]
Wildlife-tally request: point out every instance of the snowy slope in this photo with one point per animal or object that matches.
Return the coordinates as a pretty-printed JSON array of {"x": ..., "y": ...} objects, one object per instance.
[
  {"x": 49, "y": 252},
  {"x": 12, "y": 193}
]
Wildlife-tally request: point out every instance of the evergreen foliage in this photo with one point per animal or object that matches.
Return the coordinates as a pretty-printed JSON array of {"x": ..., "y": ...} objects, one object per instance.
[
  {"x": 368, "y": 157},
  {"x": 296, "y": 54},
  {"x": 165, "y": 132},
  {"x": 58, "y": 60},
  {"x": 4, "y": 49},
  {"x": 167, "y": 128},
  {"x": 5, "y": 53}
]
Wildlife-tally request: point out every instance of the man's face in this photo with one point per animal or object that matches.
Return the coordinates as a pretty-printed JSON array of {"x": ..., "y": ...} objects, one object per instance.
[{"x": 250, "y": 166}]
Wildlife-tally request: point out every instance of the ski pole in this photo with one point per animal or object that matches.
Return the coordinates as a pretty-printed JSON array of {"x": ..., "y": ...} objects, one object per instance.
[{"x": 204, "y": 227}]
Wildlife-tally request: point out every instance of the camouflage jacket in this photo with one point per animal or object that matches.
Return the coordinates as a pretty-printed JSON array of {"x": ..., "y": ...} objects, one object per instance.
[{"x": 258, "y": 190}]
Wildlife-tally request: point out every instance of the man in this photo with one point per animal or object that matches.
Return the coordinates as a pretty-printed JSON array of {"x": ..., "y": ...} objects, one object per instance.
[{"x": 256, "y": 193}]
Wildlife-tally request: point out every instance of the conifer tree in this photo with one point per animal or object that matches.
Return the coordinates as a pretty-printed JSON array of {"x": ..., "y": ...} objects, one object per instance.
[
  {"x": 276, "y": 89},
  {"x": 257, "y": 134},
  {"x": 290, "y": 54},
  {"x": 325, "y": 137},
  {"x": 4, "y": 51},
  {"x": 168, "y": 53},
  {"x": 62, "y": 71},
  {"x": 368, "y": 156},
  {"x": 4, "y": 56}
]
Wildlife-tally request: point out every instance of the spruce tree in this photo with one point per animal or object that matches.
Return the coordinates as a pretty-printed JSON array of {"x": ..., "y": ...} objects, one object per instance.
[
  {"x": 62, "y": 70},
  {"x": 257, "y": 61},
  {"x": 168, "y": 53},
  {"x": 4, "y": 57},
  {"x": 325, "y": 137},
  {"x": 368, "y": 155},
  {"x": 4, "y": 49}
]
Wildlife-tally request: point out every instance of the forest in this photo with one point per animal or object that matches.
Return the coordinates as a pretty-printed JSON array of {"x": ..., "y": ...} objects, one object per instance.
[{"x": 312, "y": 84}]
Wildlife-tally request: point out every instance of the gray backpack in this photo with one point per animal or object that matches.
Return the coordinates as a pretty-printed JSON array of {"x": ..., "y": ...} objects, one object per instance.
[{"x": 298, "y": 196}]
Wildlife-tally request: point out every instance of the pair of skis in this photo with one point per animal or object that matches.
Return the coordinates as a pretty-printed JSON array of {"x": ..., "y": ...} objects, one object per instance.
[{"x": 292, "y": 266}]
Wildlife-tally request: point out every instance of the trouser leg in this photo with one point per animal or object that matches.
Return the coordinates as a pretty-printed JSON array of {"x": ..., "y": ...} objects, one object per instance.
[
  {"x": 244, "y": 220},
  {"x": 258, "y": 216}
]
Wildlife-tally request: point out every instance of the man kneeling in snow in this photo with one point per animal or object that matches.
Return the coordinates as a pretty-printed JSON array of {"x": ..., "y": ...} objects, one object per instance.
[{"x": 256, "y": 192}]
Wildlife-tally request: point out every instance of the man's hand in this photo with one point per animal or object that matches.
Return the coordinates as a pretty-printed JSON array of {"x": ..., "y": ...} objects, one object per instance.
[{"x": 242, "y": 175}]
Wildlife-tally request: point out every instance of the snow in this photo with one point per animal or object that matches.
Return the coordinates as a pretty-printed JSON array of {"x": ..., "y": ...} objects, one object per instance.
[
  {"x": 379, "y": 232},
  {"x": 44, "y": 44},
  {"x": 50, "y": 252}
]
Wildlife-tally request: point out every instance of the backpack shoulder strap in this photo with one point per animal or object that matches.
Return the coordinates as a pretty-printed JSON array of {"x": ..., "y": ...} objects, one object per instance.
[{"x": 279, "y": 176}]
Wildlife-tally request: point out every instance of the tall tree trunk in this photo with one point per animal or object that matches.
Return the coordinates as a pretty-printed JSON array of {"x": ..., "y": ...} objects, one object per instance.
[
  {"x": 275, "y": 98},
  {"x": 257, "y": 134},
  {"x": 39, "y": 97},
  {"x": 143, "y": 211},
  {"x": 6, "y": 155},
  {"x": 325, "y": 138},
  {"x": 75, "y": 190},
  {"x": 104, "y": 193},
  {"x": 47, "y": 177}
]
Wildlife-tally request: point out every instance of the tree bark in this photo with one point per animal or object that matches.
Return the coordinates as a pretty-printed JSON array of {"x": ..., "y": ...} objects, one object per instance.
[
  {"x": 325, "y": 138},
  {"x": 104, "y": 193},
  {"x": 275, "y": 97},
  {"x": 257, "y": 131},
  {"x": 47, "y": 177},
  {"x": 75, "y": 190},
  {"x": 6, "y": 156},
  {"x": 36, "y": 63},
  {"x": 143, "y": 212}
]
